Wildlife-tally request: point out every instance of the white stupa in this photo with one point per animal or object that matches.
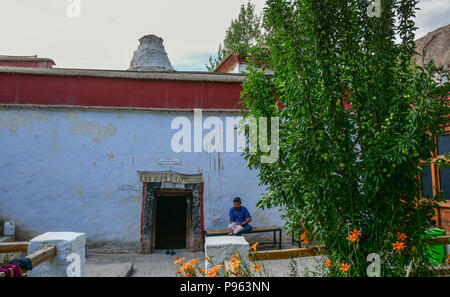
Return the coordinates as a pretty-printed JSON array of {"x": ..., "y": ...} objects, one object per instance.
[{"x": 150, "y": 55}]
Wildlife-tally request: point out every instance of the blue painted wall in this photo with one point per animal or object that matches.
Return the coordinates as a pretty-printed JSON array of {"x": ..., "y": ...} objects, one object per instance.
[{"x": 77, "y": 171}]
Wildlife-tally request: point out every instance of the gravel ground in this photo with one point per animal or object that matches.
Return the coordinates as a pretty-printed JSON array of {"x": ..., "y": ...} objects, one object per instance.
[{"x": 160, "y": 264}]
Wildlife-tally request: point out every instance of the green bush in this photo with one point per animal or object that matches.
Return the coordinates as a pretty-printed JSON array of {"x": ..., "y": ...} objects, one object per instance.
[{"x": 357, "y": 117}]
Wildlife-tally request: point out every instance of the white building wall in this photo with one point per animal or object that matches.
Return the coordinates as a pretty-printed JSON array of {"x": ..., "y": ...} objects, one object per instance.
[{"x": 77, "y": 171}]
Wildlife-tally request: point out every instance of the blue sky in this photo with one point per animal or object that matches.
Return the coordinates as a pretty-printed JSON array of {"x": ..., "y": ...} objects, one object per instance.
[{"x": 106, "y": 33}]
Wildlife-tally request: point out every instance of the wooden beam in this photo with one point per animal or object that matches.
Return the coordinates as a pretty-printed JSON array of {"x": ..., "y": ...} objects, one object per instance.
[
  {"x": 13, "y": 247},
  {"x": 286, "y": 254},
  {"x": 38, "y": 257},
  {"x": 42, "y": 255}
]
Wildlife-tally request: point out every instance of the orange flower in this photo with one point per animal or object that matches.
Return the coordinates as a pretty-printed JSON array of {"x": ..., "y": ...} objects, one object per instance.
[
  {"x": 356, "y": 233},
  {"x": 399, "y": 246},
  {"x": 344, "y": 267},
  {"x": 304, "y": 238},
  {"x": 401, "y": 236},
  {"x": 327, "y": 263},
  {"x": 253, "y": 247},
  {"x": 235, "y": 264},
  {"x": 257, "y": 267},
  {"x": 213, "y": 271},
  {"x": 187, "y": 266},
  {"x": 178, "y": 261},
  {"x": 193, "y": 261},
  {"x": 351, "y": 238},
  {"x": 202, "y": 271}
]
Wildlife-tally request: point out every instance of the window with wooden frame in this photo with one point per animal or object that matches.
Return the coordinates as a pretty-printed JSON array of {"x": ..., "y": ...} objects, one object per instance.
[{"x": 436, "y": 179}]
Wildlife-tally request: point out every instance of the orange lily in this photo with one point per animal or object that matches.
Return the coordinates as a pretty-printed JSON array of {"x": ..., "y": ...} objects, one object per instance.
[
  {"x": 213, "y": 271},
  {"x": 179, "y": 261},
  {"x": 356, "y": 232},
  {"x": 186, "y": 266},
  {"x": 193, "y": 261},
  {"x": 401, "y": 236},
  {"x": 304, "y": 238},
  {"x": 354, "y": 235},
  {"x": 235, "y": 264},
  {"x": 257, "y": 267},
  {"x": 253, "y": 247},
  {"x": 399, "y": 246},
  {"x": 351, "y": 238},
  {"x": 327, "y": 263},
  {"x": 344, "y": 267}
]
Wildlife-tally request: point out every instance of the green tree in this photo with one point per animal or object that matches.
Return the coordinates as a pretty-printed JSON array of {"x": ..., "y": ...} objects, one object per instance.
[
  {"x": 243, "y": 32},
  {"x": 343, "y": 167}
]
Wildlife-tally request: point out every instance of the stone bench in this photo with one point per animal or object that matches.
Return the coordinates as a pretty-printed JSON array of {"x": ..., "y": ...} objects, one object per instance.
[{"x": 221, "y": 248}]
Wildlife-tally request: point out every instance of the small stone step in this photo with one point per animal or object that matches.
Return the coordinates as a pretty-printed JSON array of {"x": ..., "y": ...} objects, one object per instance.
[
  {"x": 6, "y": 239},
  {"x": 109, "y": 270}
]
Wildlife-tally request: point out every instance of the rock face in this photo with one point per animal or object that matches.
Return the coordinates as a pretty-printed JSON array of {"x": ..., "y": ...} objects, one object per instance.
[
  {"x": 435, "y": 46},
  {"x": 151, "y": 55}
]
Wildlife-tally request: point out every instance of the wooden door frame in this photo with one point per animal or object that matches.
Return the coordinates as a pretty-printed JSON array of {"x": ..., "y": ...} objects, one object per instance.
[{"x": 195, "y": 216}]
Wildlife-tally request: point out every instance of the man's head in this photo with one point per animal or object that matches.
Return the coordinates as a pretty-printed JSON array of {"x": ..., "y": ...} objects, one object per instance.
[{"x": 237, "y": 202}]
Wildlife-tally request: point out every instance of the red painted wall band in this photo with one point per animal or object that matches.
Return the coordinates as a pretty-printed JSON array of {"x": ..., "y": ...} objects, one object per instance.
[{"x": 117, "y": 92}]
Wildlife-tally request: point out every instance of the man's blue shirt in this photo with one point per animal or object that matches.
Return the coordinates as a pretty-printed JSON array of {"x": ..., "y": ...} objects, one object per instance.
[{"x": 239, "y": 216}]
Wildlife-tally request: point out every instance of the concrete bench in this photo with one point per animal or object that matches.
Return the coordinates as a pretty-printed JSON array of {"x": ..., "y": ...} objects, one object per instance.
[
  {"x": 274, "y": 229},
  {"x": 222, "y": 248}
]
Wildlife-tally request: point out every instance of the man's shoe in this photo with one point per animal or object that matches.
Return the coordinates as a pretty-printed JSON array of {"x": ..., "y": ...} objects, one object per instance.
[
  {"x": 167, "y": 252},
  {"x": 172, "y": 252}
]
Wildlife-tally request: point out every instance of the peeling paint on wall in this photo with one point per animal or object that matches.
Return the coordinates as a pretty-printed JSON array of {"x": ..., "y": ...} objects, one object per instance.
[
  {"x": 18, "y": 119},
  {"x": 98, "y": 132}
]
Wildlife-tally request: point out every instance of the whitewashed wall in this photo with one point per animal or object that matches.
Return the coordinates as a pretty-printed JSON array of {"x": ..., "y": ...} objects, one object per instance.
[{"x": 77, "y": 171}]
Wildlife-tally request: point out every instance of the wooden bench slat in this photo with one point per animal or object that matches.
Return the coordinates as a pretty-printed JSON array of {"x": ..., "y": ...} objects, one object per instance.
[
  {"x": 38, "y": 257},
  {"x": 286, "y": 254},
  {"x": 42, "y": 255},
  {"x": 254, "y": 229},
  {"x": 13, "y": 247}
]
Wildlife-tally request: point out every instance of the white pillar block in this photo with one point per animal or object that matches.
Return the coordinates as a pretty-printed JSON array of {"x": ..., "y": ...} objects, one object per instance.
[
  {"x": 70, "y": 257},
  {"x": 221, "y": 248},
  {"x": 9, "y": 229}
]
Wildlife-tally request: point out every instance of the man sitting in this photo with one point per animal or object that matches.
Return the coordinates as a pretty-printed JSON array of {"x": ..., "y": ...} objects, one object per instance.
[{"x": 240, "y": 215}]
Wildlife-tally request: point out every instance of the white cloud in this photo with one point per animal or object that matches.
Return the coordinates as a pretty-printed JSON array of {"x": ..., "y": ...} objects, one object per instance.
[{"x": 432, "y": 15}]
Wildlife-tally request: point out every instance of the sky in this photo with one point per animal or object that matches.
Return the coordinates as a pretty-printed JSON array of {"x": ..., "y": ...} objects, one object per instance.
[{"x": 103, "y": 34}]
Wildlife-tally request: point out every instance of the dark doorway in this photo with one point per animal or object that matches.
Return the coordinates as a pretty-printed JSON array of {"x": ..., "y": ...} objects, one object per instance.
[{"x": 171, "y": 220}]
